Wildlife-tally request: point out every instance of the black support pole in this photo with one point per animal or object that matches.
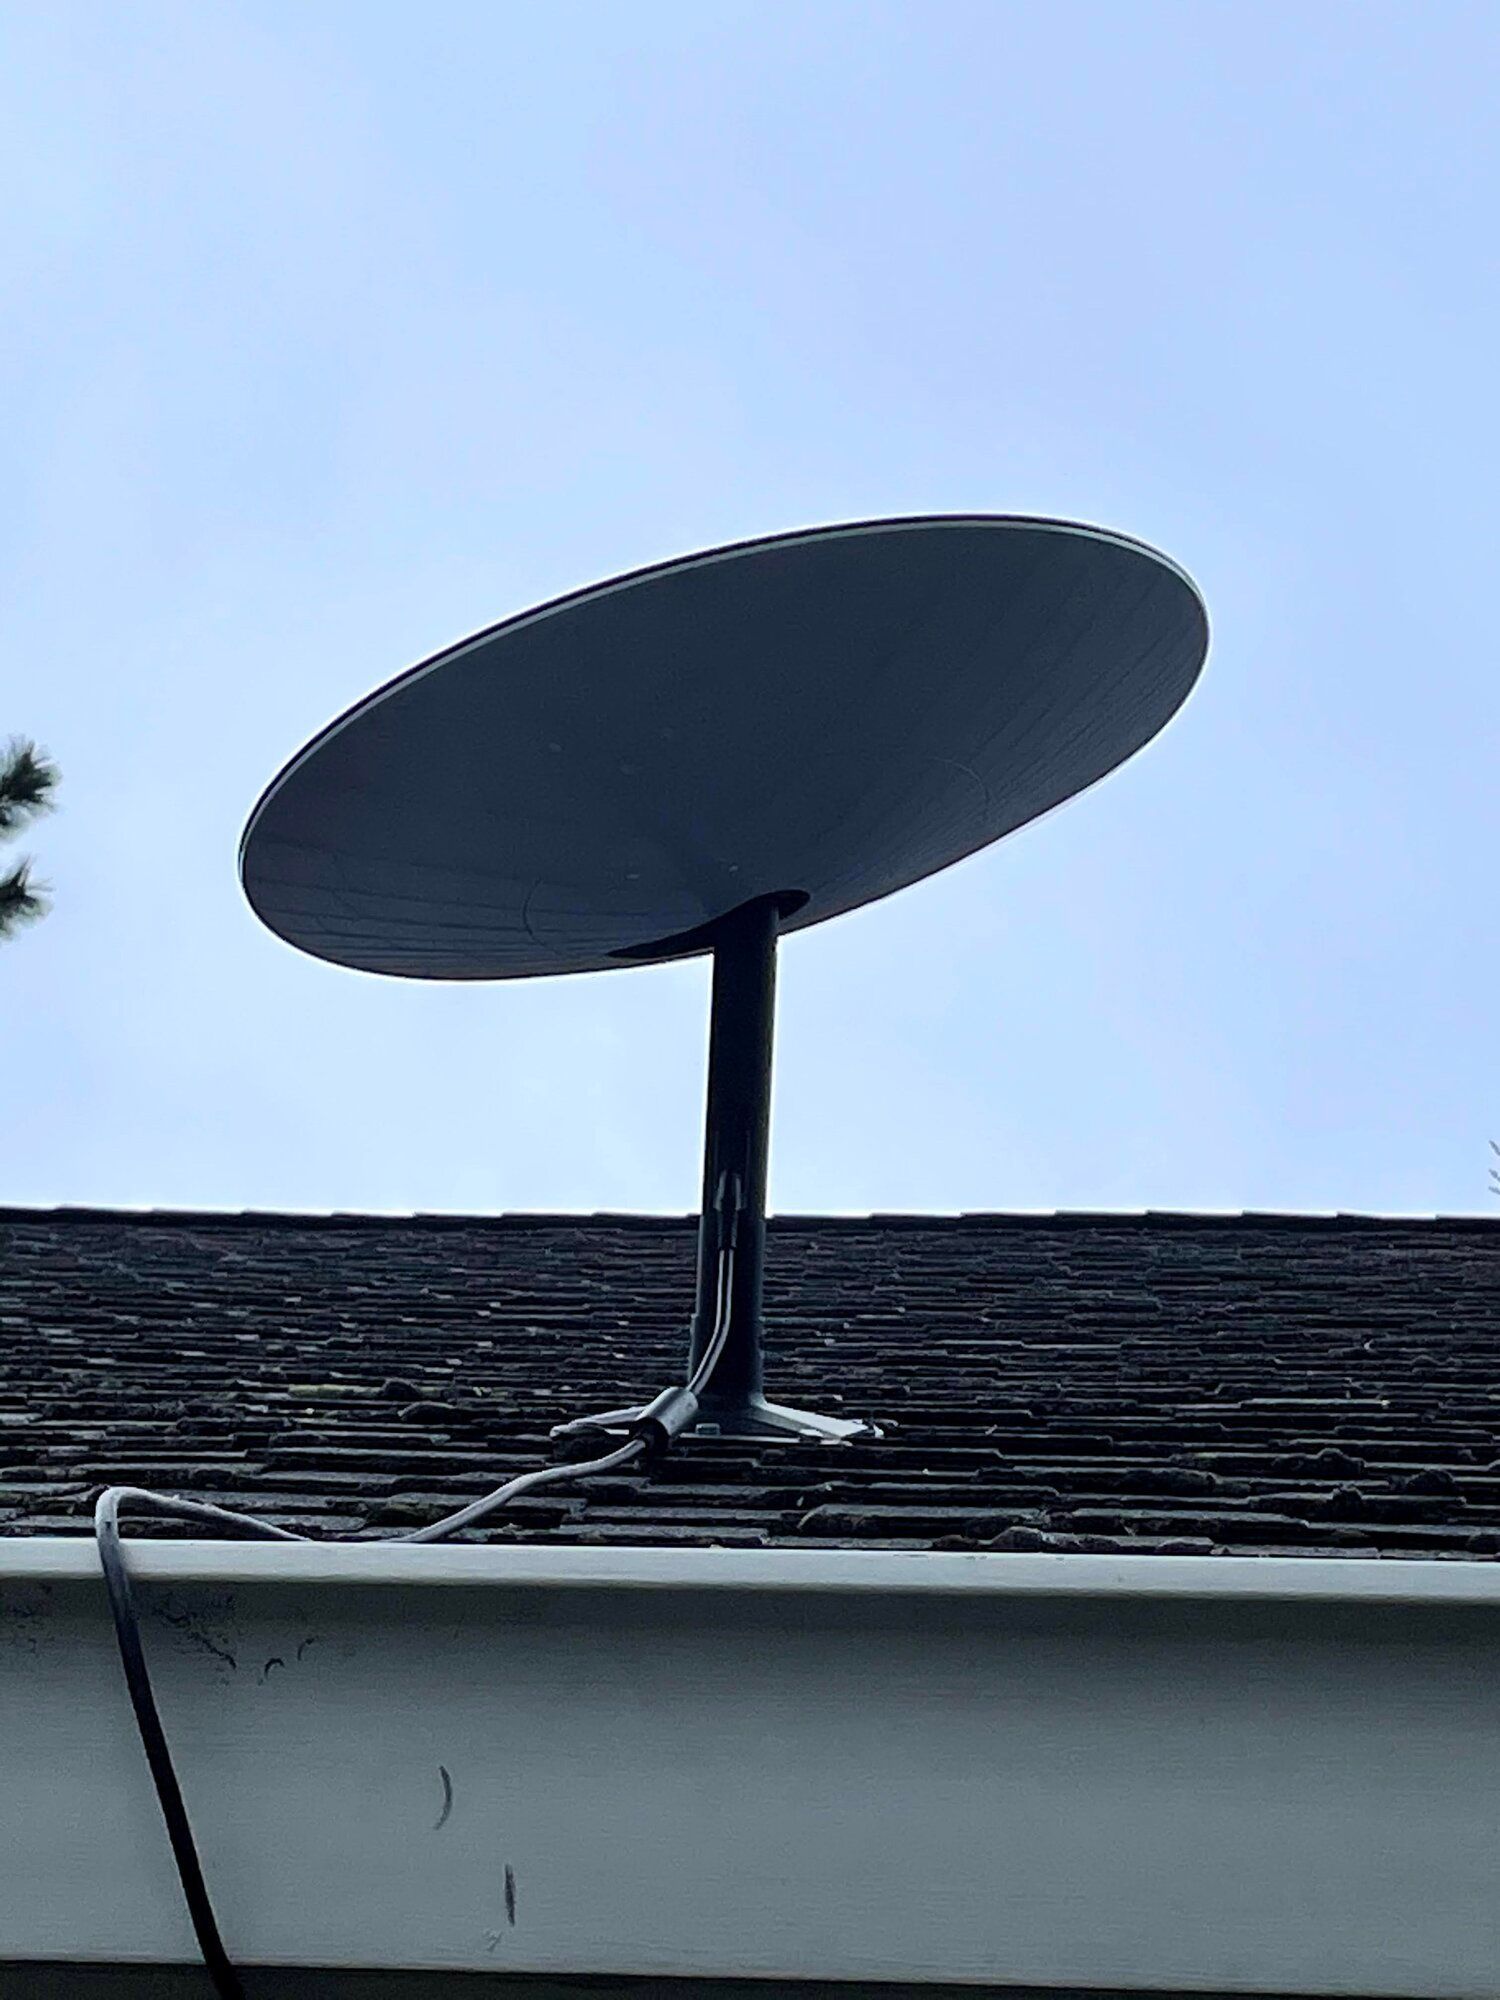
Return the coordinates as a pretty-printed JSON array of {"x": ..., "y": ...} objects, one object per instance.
[
  {"x": 736, "y": 1142},
  {"x": 731, "y": 1402}
]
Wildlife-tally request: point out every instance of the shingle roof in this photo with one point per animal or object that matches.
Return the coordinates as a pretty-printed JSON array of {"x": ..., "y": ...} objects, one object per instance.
[{"x": 1254, "y": 1384}]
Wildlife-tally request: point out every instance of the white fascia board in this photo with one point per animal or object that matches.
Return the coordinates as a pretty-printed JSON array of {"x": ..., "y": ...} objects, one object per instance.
[{"x": 1164, "y": 1774}]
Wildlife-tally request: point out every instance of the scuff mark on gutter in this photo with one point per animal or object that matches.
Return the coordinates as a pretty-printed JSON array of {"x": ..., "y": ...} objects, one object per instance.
[
  {"x": 190, "y": 1623},
  {"x": 442, "y": 1818}
]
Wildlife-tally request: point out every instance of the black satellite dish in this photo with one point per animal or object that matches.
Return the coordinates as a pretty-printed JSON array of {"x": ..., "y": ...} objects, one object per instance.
[{"x": 695, "y": 757}]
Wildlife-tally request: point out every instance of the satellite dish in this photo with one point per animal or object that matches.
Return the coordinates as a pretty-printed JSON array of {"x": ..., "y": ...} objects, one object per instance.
[{"x": 695, "y": 757}]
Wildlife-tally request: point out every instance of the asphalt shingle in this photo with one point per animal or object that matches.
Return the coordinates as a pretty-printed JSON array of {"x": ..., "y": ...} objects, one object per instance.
[{"x": 1272, "y": 1384}]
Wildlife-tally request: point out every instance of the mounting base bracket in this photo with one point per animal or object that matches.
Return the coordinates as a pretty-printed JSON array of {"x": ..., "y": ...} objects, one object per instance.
[{"x": 752, "y": 1418}]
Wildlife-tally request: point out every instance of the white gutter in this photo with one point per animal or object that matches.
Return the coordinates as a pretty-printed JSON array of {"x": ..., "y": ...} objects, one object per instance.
[
  {"x": 1169, "y": 1773},
  {"x": 61, "y": 1558}
]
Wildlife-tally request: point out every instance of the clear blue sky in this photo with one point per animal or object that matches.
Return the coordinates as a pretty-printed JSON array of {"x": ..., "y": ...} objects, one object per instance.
[{"x": 332, "y": 331}]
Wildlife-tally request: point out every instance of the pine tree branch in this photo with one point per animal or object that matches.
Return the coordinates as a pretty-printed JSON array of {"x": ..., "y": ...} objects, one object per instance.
[
  {"x": 22, "y": 901},
  {"x": 27, "y": 779}
]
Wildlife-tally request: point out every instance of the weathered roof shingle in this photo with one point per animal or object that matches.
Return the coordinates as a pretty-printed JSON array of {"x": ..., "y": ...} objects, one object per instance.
[{"x": 1289, "y": 1385}]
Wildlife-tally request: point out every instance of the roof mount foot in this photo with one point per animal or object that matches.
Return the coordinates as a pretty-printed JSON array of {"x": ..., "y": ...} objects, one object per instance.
[{"x": 752, "y": 1417}]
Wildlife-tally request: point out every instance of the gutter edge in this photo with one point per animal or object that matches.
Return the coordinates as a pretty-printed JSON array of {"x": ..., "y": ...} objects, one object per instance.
[{"x": 1361, "y": 1580}]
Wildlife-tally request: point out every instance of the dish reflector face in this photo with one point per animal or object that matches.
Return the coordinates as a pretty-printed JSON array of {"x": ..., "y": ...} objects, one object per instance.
[{"x": 828, "y": 716}]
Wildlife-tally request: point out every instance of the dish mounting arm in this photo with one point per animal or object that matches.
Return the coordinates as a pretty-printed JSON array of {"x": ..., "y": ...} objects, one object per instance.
[{"x": 736, "y": 1145}]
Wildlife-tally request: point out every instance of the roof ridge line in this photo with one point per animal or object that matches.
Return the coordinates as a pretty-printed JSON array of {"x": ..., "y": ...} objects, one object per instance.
[{"x": 1153, "y": 1218}]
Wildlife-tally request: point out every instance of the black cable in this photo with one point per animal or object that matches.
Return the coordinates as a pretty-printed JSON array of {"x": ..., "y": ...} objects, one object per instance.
[
  {"x": 647, "y": 1443},
  {"x": 727, "y": 1204},
  {"x": 127, "y": 1630},
  {"x": 527, "y": 1482}
]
